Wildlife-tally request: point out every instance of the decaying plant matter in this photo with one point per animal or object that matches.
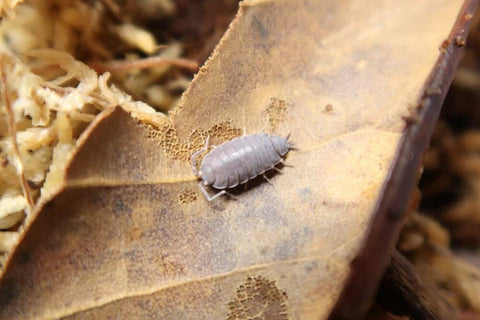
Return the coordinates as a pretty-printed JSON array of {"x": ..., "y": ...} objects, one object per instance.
[{"x": 97, "y": 196}]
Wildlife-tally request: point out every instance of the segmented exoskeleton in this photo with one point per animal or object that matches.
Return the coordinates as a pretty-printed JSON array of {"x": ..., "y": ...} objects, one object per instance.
[{"x": 236, "y": 161}]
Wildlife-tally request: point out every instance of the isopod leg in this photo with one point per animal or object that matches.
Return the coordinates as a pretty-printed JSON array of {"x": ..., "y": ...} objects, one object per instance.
[
  {"x": 215, "y": 196},
  {"x": 195, "y": 155},
  {"x": 278, "y": 170},
  {"x": 230, "y": 195},
  {"x": 285, "y": 164},
  {"x": 244, "y": 122},
  {"x": 268, "y": 180}
]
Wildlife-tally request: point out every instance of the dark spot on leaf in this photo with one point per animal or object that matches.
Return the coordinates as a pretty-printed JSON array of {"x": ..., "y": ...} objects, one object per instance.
[
  {"x": 258, "y": 26},
  {"x": 120, "y": 207},
  {"x": 24, "y": 257},
  {"x": 258, "y": 298}
]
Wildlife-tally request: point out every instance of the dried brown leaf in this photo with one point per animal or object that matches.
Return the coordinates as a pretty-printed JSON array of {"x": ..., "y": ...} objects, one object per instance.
[{"x": 130, "y": 234}]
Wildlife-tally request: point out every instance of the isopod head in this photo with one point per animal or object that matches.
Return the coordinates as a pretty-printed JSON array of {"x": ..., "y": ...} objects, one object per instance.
[
  {"x": 207, "y": 175},
  {"x": 280, "y": 144}
]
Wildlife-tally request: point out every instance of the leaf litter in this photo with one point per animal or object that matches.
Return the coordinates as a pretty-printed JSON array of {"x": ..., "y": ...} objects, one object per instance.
[{"x": 162, "y": 250}]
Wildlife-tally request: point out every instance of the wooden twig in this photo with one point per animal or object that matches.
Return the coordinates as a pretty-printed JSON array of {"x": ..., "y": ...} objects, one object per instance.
[{"x": 402, "y": 292}]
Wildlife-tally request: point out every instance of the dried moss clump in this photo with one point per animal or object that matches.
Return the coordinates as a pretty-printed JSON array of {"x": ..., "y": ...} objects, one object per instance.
[{"x": 49, "y": 96}]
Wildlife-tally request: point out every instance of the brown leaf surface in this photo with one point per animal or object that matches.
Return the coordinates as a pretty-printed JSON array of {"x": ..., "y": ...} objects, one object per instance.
[{"x": 130, "y": 234}]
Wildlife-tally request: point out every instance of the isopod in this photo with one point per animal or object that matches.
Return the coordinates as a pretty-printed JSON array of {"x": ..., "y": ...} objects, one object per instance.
[{"x": 236, "y": 161}]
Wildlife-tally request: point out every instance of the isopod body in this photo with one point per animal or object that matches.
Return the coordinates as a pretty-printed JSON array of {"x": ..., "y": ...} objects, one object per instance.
[{"x": 241, "y": 159}]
